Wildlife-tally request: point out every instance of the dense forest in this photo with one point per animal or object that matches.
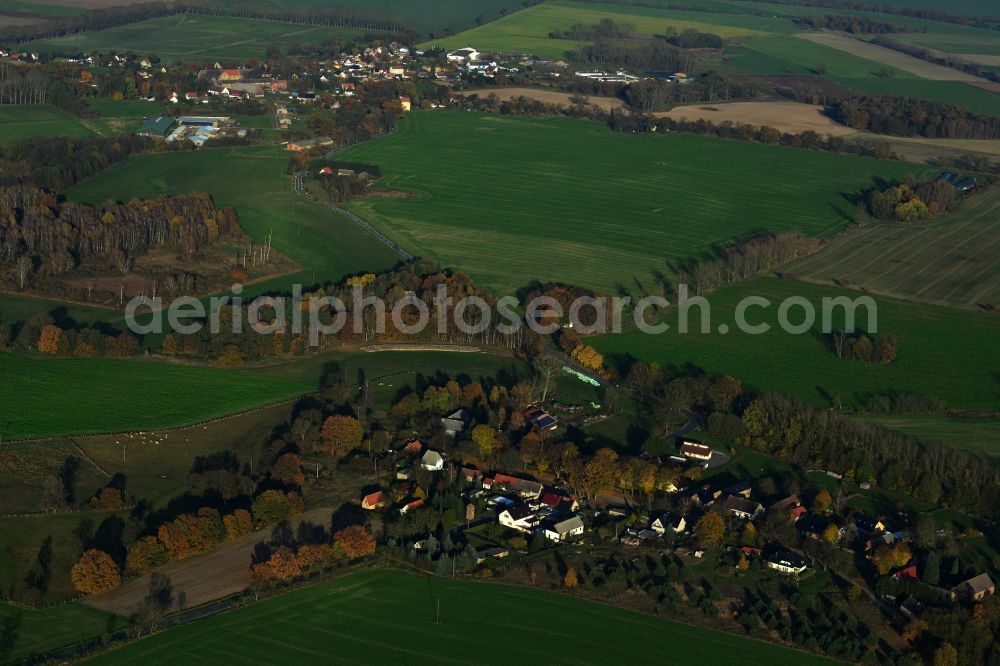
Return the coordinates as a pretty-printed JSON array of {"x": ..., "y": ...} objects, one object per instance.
[
  {"x": 857, "y": 25},
  {"x": 819, "y": 439},
  {"x": 909, "y": 116},
  {"x": 58, "y": 163},
  {"x": 39, "y": 233},
  {"x": 646, "y": 54}
]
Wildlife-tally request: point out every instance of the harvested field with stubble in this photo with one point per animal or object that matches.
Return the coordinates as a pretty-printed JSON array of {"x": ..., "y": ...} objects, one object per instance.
[
  {"x": 952, "y": 260},
  {"x": 880, "y": 54},
  {"x": 547, "y": 97},
  {"x": 785, "y": 116}
]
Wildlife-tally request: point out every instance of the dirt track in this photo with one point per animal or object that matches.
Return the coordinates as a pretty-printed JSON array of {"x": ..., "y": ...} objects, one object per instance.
[
  {"x": 785, "y": 116},
  {"x": 882, "y": 55},
  {"x": 547, "y": 96},
  {"x": 214, "y": 575}
]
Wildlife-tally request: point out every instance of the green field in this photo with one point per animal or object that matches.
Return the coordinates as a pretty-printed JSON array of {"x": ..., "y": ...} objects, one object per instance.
[
  {"x": 54, "y": 8},
  {"x": 980, "y": 436},
  {"x": 56, "y": 627},
  {"x": 137, "y": 394},
  {"x": 943, "y": 352},
  {"x": 951, "y": 260},
  {"x": 787, "y": 54},
  {"x": 98, "y": 395},
  {"x": 254, "y": 181},
  {"x": 527, "y": 31},
  {"x": 184, "y": 37},
  {"x": 388, "y": 617},
  {"x": 426, "y": 16},
  {"x": 38, "y": 120},
  {"x": 511, "y": 200}
]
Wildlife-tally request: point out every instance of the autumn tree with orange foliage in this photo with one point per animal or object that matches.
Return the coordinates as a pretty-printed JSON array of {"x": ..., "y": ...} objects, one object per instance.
[
  {"x": 341, "y": 435},
  {"x": 569, "y": 580},
  {"x": 288, "y": 469},
  {"x": 354, "y": 542},
  {"x": 238, "y": 523},
  {"x": 282, "y": 565},
  {"x": 48, "y": 340},
  {"x": 95, "y": 572},
  {"x": 145, "y": 555}
]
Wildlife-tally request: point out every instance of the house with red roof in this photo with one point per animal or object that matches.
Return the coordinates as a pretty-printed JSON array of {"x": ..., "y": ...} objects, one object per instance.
[
  {"x": 907, "y": 574},
  {"x": 375, "y": 500},
  {"x": 230, "y": 75}
]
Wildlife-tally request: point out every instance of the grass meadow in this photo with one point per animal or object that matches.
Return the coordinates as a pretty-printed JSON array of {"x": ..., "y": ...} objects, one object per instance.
[
  {"x": 790, "y": 55},
  {"x": 101, "y": 395},
  {"x": 511, "y": 200},
  {"x": 947, "y": 353},
  {"x": 527, "y": 30},
  {"x": 951, "y": 260},
  {"x": 976, "y": 435},
  {"x": 389, "y": 616},
  {"x": 253, "y": 181},
  {"x": 56, "y": 627},
  {"x": 38, "y": 120},
  {"x": 184, "y": 37}
]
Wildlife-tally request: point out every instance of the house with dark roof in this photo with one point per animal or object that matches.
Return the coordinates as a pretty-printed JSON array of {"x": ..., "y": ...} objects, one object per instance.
[
  {"x": 696, "y": 450},
  {"x": 155, "y": 127},
  {"x": 743, "y": 508},
  {"x": 672, "y": 522},
  {"x": 520, "y": 518},
  {"x": 786, "y": 562}
]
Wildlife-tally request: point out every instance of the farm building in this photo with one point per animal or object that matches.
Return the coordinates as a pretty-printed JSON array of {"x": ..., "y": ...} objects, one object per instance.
[
  {"x": 306, "y": 144},
  {"x": 155, "y": 127},
  {"x": 376, "y": 500}
]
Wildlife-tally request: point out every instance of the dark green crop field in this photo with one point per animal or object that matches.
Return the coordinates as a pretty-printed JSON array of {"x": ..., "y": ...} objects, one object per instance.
[
  {"x": 511, "y": 200},
  {"x": 947, "y": 353},
  {"x": 387, "y": 617}
]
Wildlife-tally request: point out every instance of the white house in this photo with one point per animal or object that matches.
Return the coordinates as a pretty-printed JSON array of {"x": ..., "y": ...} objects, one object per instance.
[
  {"x": 565, "y": 529},
  {"x": 432, "y": 461},
  {"x": 786, "y": 562},
  {"x": 520, "y": 518},
  {"x": 675, "y": 523}
]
